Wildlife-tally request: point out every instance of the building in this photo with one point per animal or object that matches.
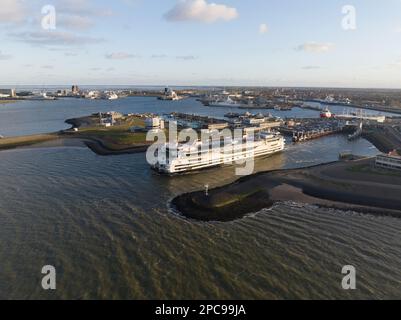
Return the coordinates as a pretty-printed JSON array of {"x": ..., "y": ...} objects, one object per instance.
[
  {"x": 75, "y": 90},
  {"x": 154, "y": 123},
  {"x": 7, "y": 93},
  {"x": 169, "y": 95},
  {"x": 254, "y": 121},
  {"x": 109, "y": 119},
  {"x": 390, "y": 161},
  {"x": 216, "y": 126}
]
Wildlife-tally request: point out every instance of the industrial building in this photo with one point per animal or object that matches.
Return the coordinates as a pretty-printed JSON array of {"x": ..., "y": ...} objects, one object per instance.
[{"x": 392, "y": 162}]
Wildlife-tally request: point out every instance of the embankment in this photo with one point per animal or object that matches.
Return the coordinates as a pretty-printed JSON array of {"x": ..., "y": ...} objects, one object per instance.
[{"x": 344, "y": 185}]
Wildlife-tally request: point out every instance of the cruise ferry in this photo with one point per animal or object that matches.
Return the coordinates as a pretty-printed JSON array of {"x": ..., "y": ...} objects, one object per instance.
[{"x": 182, "y": 158}]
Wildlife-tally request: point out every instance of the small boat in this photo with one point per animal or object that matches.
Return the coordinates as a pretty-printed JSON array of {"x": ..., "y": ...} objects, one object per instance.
[
  {"x": 326, "y": 114},
  {"x": 231, "y": 115}
]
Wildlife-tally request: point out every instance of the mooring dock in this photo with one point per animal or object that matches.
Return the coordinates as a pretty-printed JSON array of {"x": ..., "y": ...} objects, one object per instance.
[{"x": 308, "y": 129}]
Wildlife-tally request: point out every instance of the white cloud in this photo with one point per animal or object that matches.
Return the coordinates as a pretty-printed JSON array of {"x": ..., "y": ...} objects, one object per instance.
[
  {"x": 159, "y": 56},
  {"x": 74, "y": 22},
  {"x": 120, "y": 56},
  {"x": 44, "y": 38},
  {"x": 311, "y": 67},
  {"x": 315, "y": 47},
  {"x": 5, "y": 56},
  {"x": 201, "y": 11},
  {"x": 396, "y": 64},
  {"x": 82, "y": 7},
  {"x": 187, "y": 58},
  {"x": 12, "y": 11},
  {"x": 263, "y": 28}
]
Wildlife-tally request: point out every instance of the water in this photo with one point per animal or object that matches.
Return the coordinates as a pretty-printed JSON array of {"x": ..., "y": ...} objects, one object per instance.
[
  {"x": 33, "y": 117},
  {"x": 105, "y": 224}
]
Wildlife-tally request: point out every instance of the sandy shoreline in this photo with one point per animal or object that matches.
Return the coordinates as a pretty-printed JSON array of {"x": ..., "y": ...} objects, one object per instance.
[{"x": 343, "y": 185}]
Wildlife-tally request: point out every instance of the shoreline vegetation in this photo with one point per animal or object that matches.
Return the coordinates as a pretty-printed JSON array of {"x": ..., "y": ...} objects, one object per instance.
[{"x": 348, "y": 185}]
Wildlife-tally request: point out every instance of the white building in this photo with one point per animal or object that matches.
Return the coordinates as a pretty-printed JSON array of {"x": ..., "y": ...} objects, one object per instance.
[
  {"x": 255, "y": 121},
  {"x": 170, "y": 95},
  {"x": 391, "y": 162},
  {"x": 154, "y": 123}
]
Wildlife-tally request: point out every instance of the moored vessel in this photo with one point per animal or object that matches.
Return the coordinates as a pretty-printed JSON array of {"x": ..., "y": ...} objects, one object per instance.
[{"x": 181, "y": 158}]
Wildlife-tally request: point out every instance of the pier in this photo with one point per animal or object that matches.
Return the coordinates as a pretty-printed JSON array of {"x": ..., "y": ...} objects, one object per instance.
[{"x": 303, "y": 130}]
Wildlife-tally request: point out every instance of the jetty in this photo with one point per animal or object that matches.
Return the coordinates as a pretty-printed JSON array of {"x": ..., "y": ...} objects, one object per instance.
[
  {"x": 345, "y": 185},
  {"x": 302, "y": 130}
]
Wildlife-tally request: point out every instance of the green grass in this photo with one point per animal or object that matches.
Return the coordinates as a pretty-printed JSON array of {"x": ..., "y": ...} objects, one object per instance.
[{"x": 117, "y": 135}]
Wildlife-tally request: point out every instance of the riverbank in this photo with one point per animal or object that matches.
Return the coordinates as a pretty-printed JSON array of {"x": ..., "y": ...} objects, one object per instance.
[
  {"x": 25, "y": 141},
  {"x": 7, "y": 101},
  {"x": 53, "y": 140},
  {"x": 114, "y": 140},
  {"x": 344, "y": 185}
]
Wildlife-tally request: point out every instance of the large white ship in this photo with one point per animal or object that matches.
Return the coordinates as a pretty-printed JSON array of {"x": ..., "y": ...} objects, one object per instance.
[{"x": 180, "y": 158}]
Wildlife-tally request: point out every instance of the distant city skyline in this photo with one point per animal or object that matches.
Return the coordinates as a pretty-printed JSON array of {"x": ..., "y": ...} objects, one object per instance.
[{"x": 201, "y": 43}]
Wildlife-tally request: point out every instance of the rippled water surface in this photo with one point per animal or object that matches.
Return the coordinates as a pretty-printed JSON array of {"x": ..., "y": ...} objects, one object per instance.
[{"x": 104, "y": 223}]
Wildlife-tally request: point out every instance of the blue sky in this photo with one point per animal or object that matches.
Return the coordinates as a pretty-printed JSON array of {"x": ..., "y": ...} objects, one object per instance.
[{"x": 201, "y": 42}]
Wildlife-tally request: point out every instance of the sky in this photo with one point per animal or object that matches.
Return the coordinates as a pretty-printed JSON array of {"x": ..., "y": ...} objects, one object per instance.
[{"x": 201, "y": 42}]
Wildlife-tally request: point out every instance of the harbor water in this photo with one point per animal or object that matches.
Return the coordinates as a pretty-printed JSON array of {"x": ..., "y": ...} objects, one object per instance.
[{"x": 106, "y": 225}]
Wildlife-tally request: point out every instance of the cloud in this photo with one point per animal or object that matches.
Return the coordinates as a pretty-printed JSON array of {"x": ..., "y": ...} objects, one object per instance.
[
  {"x": 311, "y": 67},
  {"x": 45, "y": 38},
  {"x": 82, "y": 8},
  {"x": 200, "y": 11},
  {"x": 120, "y": 56},
  {"x": 263, "y": 28},
  {"x": 5, "y": 56},
  {"x": 315, "y": 47},
  {"x": 74, "y": 22},
  {"x": 186, "y": 58},
  {"x": 395, "y": 64},
  {"x": 159, "y": 56},
  {"x": 12, "y": 11}
]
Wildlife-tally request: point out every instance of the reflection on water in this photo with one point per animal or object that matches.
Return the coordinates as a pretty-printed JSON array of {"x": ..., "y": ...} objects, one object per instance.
[{"x": 104, "y": 223}]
